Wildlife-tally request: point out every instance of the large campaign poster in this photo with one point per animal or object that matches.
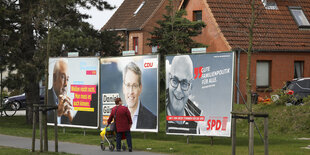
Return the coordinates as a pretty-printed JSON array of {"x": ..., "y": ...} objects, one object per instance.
[
  {"x": 73, "y": 87},
  {"x": 134, "y": 79},
  {"x": 199, "y": 94}
]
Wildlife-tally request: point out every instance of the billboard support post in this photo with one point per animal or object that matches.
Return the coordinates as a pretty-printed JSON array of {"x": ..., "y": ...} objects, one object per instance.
[{"x": 211, "y": 140}]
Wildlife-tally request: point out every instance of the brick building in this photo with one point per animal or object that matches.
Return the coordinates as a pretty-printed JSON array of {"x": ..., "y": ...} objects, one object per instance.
[{"x": 281, "y": 40}]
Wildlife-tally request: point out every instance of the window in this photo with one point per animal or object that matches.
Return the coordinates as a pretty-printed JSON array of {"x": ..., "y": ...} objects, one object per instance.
[
  {"x": 270, "y": 4},
  {"x": 139, "y": 8},
  {"x": 262, "y": 73},
  {"x": 197, "y": 15},
  {"x": 298, "y": 69},
  {"x": 299, "y": 17},
  {"x": 135, "y": 44}
]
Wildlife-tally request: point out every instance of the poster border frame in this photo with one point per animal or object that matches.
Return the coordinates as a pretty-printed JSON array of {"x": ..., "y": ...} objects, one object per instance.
[
  {"x": 98, "y": 78},
  {"x": 232, "y": 90}
]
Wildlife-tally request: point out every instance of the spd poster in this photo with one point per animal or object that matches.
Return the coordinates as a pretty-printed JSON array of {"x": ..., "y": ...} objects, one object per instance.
[{"x": 199, "y": 94}]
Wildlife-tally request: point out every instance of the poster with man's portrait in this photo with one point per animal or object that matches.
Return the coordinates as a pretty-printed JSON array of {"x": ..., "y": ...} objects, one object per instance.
[
  {"x": 135, "y": 80},
  {"x": 73, "y": 87},
  {"x": 199, "y": 94}
]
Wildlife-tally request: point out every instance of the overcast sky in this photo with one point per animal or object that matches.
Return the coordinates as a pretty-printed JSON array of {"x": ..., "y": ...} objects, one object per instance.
[{"x": 99, "y": 18}]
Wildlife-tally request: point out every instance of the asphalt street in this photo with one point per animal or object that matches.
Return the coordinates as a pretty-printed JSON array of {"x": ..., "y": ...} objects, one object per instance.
[{"x": 73, "y": 148}]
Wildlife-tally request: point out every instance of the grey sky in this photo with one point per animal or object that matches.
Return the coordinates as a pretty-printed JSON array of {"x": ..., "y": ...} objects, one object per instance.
[{"x": 99, "y": 18}]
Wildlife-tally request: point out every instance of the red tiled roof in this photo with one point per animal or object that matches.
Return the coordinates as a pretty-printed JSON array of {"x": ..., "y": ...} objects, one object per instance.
[
  {"x": 275, "y": 29},
  {"x": 124, "y": 17}
]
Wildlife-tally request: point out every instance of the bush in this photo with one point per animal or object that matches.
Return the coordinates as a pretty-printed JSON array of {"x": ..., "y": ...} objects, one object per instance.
[{"x": 284, "y": 98}]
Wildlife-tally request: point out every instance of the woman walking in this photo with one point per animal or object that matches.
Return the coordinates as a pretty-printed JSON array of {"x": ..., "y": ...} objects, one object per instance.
[{"x": 122, "y": 118}]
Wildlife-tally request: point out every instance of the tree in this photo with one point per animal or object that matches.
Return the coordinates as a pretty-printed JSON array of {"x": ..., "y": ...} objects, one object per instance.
[
  {"x": 35, "y": 27},
  {"x": 174, "y": 35}
]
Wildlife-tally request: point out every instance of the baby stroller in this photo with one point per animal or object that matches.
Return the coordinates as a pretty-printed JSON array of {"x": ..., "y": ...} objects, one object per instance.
[{"x": 110, "y": 136}]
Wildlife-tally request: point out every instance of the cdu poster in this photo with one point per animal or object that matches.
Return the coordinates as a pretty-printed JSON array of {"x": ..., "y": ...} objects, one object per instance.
[{"x": 135, "y": 80}]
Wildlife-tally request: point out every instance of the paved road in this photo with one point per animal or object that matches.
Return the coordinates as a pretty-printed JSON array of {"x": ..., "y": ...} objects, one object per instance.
[{"x": 73, "y": 148}]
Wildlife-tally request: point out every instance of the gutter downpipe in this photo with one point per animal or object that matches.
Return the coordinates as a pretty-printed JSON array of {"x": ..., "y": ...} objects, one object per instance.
[
  {"x": 127, "y": 39},
  {"x": 238, "y": 75}
]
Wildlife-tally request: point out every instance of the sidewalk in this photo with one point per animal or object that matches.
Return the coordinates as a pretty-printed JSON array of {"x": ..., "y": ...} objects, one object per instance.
[{"x": 73, "y": 148}]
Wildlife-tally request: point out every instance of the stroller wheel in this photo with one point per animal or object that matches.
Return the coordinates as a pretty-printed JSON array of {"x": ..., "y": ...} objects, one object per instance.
[
  {"x": 123, "y": 147},
  {"x": 102, "y": 146},
  {"x": 111, "y": 147}
]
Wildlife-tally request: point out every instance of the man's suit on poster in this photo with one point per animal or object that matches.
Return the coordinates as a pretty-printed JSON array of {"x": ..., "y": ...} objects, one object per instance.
[
  {"x": 53, "y": 100},
  {"x": 146, "y": 119}
]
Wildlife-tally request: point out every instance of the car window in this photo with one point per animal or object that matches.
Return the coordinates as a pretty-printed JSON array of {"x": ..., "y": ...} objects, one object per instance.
[{"x": 304, "y": 84}]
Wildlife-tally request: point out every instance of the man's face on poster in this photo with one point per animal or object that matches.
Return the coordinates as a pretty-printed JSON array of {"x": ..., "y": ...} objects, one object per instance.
[
  {"x": 131, "y": 88},
  {"x": 61, "y": 79},
  {"x": 180, "y": 78}
]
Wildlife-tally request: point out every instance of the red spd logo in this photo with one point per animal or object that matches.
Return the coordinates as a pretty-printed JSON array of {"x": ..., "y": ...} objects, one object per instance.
[
  {"x": 150, "y": 63},
  {"x": 217, "y": 124}
]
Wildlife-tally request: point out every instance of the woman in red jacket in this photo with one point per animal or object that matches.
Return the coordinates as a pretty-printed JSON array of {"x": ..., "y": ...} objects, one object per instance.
[{"x": 123, "y": 123}]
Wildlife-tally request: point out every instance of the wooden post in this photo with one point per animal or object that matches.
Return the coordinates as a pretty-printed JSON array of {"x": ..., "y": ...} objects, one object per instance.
[
  {"x": 233, "y": 136},
  {"x": 187, "y": 141},
  {"x": 266, "y": 135},
  {"x": 45, "y": 131},
  {"x": 211, "y": 140},
  {"x": 41, "y": 132},
  {"x": 144, "y": 135},
  {"x": 33, "y": 129},
  {"x": 56, "y": 130},
  {"x": 251, "y": 135}
]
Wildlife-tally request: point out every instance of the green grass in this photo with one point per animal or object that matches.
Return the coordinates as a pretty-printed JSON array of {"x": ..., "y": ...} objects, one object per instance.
[
  {"x": 18, "y": 151},
  {"x": 285, "y": 125}
]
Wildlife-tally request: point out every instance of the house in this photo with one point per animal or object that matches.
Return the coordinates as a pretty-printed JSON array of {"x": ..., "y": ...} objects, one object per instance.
[
  {"x": 134, "y": 19},
  {"x": 281, "y": 37}
]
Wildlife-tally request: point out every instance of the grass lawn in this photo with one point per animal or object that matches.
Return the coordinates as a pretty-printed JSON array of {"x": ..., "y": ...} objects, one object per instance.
[
  {"x": 17, "y": 151},
  {"x": 286, "y": 124}
]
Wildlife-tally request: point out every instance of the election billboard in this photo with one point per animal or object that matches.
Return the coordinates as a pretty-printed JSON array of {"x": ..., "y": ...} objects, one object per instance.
[
  {"x": 199, "y": 94},
  {"x": 73, "y": 87},
  {"x": 135, "y": 80}
]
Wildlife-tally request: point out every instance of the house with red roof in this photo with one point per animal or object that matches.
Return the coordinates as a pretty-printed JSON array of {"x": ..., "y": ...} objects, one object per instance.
[{"x": 281, "y": 35}]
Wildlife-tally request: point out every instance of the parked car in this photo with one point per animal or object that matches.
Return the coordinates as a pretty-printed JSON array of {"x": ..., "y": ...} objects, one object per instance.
[
  {"x": 20, "y": 100},
  {"x": 299, "y": 88}
]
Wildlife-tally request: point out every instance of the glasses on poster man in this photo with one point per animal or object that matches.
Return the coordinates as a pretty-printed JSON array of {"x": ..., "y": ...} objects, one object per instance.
[
  {"x": 174, "y": 82},
  {"x": 131, "y": 86}
]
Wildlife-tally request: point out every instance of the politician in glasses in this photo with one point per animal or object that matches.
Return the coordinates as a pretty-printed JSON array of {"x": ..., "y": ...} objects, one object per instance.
[
  {"x": 177, "y": 98},
  {"x": 142, "y": 118}
]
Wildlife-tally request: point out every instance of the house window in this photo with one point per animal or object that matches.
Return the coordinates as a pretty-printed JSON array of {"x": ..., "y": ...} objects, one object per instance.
[
  {"x": 298, "y": 69},
  {"x": 299, "y": 17},
  {"x": 139, "y": 8},
  {"x": 197, "y": 15},
  {"x": 135, "y": 44},
  {"x": 270, "y": 4},
  {"x": 263, "y": 74}
]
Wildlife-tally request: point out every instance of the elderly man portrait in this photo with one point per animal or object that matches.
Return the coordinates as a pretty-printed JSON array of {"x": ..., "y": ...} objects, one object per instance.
[
  {"x": 142, "y": 117},
  {"x": 57, "y": 95},
  {"x": 179, "y": 89}
]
